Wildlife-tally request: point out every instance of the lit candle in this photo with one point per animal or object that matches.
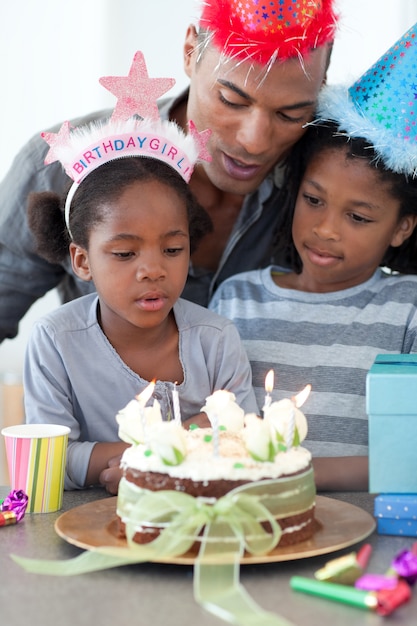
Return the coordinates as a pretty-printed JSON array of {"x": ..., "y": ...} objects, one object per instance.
[
  {"x": 215, "y": 436},
  {"x": 176, "y": 405},
  {"x": 143, "y": 420},
  {"x": 269, "y": 385},
  {"x": 301, "y": 397},
  {"x": 146, "y": 394},
  {"x": 290, "y": 429},
  {"x": 297, "y": 402},
  {"x": 142, "y": 399}
]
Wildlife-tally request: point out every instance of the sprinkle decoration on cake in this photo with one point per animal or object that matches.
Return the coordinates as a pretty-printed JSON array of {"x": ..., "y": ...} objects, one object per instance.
[{"x": 240, "y": 459}]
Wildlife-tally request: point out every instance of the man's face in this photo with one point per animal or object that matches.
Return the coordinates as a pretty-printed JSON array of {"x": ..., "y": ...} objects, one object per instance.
[{"x": 255, "y": 115}]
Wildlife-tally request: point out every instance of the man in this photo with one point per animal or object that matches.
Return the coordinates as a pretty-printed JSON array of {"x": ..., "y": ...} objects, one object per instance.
[{"x": 254, "y": 80}]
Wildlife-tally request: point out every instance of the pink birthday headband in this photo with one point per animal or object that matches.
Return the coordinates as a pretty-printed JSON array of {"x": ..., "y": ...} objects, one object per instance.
[
  {"x": 82, "y": 150},
  {"x": 268, "y": 31}
]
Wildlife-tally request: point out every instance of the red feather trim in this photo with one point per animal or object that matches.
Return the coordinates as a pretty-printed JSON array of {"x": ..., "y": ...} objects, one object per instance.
[{"x": 270, "y": 37}]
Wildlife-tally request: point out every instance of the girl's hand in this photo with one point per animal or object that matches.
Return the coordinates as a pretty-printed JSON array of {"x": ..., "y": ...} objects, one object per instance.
[
  {"x": 111, "y": 475},
  {"x": 103, "y": 468},
  {"x": 200, "y": 419}
]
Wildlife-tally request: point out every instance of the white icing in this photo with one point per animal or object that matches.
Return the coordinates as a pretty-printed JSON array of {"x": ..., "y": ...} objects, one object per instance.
[
  {"x": 293, "y": 529},
  {"x": 167, "y": 440},
  {"x": 200, "y": 464},
  {"x": 135, "y": 420},
  {"x": 221, "y": 407}
]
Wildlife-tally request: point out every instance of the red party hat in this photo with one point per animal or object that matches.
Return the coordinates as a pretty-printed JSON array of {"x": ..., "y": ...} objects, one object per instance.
[{"x": 269, "y": 30}]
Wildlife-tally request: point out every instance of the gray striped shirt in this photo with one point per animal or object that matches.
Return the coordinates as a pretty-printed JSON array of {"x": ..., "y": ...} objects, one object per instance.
[{"x": 327, "y": 339}]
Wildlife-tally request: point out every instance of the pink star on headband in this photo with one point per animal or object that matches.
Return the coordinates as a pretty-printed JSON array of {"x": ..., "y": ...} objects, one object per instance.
[
  {"x": 136, "y": 92},
  {"x": 201, "y": 140},
  {"x": 56, "y": 140}
]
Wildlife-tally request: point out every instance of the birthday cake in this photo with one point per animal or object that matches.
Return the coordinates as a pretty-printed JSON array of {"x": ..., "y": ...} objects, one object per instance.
[{"x": 239, "y": 454}]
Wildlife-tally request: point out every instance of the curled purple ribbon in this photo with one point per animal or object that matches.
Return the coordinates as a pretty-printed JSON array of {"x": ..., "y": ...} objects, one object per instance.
[
  {"x": 16, "y": 502},
  {"x": 405, "y": 564}
]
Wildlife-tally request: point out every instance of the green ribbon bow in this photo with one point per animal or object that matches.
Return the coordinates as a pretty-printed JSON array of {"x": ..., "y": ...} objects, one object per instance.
[{"x": 225, "y": 528}]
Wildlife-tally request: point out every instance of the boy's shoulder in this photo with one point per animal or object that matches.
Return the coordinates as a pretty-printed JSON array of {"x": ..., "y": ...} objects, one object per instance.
[
  {"x": 245, "y": 285},
  {"x": 396, "y": 280},
  {"x": 189, "y": 314}
]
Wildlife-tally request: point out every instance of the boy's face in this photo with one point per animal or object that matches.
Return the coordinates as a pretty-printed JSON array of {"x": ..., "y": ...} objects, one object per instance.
[
  {"x": 138, "y": 257},
  {"x": 344, "y": 221},
  {"x": 255, "y": 115}
]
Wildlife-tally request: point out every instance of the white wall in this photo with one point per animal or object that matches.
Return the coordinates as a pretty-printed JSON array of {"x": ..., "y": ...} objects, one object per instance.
[
  {"x": 367, "y": 29},
  {"x": 52, "y": 53}
]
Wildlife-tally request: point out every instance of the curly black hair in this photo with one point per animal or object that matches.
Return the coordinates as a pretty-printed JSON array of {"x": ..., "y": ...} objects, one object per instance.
[
  {"x": 320, "y": 137},
  {"x": 46, "y": 209}
]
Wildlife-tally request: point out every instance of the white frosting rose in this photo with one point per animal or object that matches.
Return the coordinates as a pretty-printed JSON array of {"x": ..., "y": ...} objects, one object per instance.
[
  {"x": 222, "y": 405},
  {"x": 168, "y": 441},
  {"x": 278, "y": 415},
  {"x": 130, "y": 420},
  {"x": 257, "y": 438}
]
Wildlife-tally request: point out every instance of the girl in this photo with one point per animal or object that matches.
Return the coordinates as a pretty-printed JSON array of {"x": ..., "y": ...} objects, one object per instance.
[
  {"x": 351, "y": 209},
  {"x": 131, "y": 223},
  {"x": 326, "y": 320}
]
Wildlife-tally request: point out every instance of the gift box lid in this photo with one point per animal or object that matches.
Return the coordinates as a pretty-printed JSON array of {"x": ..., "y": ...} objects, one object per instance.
[
  {"x": 396, "y": 506},
  {"x": 391, "y": 385}
]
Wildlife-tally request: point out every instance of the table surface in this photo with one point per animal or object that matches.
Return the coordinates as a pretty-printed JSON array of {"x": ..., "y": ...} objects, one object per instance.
[{"x": 162, "y": 595}]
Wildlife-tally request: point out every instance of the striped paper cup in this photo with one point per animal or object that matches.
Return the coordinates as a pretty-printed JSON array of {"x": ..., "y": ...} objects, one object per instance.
[{"x": 36, "y": 456}]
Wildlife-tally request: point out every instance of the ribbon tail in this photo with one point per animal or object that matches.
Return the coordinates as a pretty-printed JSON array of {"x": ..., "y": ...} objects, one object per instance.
[
  {"x": 86, "y": 562},
  {"x": 218, "y": 590},
  {"x": 168, "y": 544}
]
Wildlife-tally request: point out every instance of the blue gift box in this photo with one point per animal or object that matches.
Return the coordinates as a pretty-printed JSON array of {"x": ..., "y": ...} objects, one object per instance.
[
  {"x": 391, "y": 404},
  {"x": 396, "y": 514}
]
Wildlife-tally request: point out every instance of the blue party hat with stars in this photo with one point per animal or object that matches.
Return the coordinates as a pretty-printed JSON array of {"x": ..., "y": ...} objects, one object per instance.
[{"x": 381, "y": 106}]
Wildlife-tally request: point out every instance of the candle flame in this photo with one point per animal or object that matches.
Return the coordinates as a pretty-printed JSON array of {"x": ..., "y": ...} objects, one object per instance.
[
  {"x": 144, "y": 396},
  {"x": 269, "y": 381},
  {"x": 301, "y": 397}
]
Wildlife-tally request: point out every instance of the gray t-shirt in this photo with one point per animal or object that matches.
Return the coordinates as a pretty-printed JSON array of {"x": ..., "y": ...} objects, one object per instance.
[
  {"x": 327, "y": 339},
  {"x": 73, "y": 375}
]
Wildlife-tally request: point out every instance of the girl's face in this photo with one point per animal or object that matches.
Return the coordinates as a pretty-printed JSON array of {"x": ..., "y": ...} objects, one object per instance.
[
  {"x": 138, "y": 256},
  {"x": 345, "y": 219}
]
